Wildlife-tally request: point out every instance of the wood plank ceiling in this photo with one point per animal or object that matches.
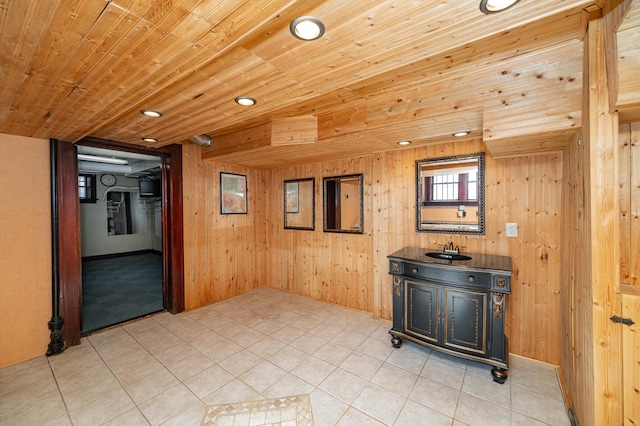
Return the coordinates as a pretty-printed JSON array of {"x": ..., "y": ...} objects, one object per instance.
[{"x": 384, "y": 71}]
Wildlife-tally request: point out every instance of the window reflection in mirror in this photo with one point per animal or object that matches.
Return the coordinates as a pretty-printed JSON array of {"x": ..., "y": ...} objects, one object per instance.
[
  {"x": 119, "y": 218},
  {"x": 450, "y": 194},
  {"x": 343, "y": 204},
  {"x": 299, "y": 204}
]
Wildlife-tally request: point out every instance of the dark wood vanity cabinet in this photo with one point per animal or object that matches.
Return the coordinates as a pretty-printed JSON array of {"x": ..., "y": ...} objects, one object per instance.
[{"x": 457, "y": 307}]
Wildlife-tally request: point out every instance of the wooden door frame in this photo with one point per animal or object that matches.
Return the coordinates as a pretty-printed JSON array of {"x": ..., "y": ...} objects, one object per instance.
[{"x": 70, "y": 263}]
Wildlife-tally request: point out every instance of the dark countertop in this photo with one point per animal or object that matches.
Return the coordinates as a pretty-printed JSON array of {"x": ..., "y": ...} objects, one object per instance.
[{"x": 478, "y": 262}]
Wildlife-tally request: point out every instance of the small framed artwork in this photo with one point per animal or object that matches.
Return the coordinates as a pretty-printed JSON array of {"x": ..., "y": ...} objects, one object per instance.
[
  {"x": 291, "y": 197},
  {"x": 233, "y": 193}
]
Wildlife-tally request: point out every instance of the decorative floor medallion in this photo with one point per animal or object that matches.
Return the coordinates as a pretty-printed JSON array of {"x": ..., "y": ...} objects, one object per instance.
[{"x": 289, "y": 411}]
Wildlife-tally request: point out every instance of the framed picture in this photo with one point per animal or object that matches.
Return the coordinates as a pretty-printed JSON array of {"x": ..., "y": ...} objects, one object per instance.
[
  {"x": 291, "y": 197},
  {"x": 233, "y": 193}
]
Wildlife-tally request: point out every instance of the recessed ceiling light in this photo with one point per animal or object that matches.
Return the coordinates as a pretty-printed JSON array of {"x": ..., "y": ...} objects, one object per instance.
[
  {"x": 493, "y": 6},
  {"x": 307, "y": 28},
  {"x": 151, "y": 113},
  {"x": 460, "y": 134},
  {"x": 404, "y": 143},
  {"x": 152, "y": 140},
  {"x": 245, "y": 101}
]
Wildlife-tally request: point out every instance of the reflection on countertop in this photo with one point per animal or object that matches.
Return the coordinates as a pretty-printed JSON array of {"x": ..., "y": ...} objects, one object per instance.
[{"x": 478, "y": 261}]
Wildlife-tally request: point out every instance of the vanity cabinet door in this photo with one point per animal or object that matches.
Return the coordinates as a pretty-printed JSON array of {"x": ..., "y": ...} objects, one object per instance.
[
  {"x": 422, "y": 310},
  {"x": 465, "y": 320}
]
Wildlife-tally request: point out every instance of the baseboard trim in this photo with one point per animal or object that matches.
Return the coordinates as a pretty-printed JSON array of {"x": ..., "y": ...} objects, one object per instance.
[{"x": 567, "y": 400}]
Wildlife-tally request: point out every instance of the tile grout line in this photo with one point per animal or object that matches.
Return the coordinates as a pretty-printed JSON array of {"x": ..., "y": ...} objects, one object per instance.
[{"x": 179, "y": 326}]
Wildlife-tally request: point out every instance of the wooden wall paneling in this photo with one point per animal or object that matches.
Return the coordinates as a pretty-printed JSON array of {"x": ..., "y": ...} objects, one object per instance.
[
  {"x": 574, "y": 332},
  {"x": 511, "y": 201},
  {"x": 627, "y": 41},
  {"x": 553, "y": 234},
  {"x": 626, "y": 209},
  {"x": 629, "y": 148},
  {"x": 613, "y": 12},
  {"x": 351, "y": 270},
  {"x": 497, "y": 180},
  {"x": 548, "y": 222},
  {"x": 603, "y": 204},
  {"x": 567, "y": 370},
  {"x": 515, "y": 187},
  {"x": 332, "y": 267},
  {"x": 527, "y": 191},
  {"x": 634, "y": 166},
  {"x": 260, "y": 202},
  {"x": 381, "y": 205},
  {"x": 394, "y": 217},
  {"x": 631, "y": 359},
  {"x": 222, "y": 252}
]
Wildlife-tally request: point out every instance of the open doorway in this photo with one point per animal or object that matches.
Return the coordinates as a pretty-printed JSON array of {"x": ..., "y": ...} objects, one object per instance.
[
  {"x": 66, "y": 214},
  {"x": 120, "y": 196}
]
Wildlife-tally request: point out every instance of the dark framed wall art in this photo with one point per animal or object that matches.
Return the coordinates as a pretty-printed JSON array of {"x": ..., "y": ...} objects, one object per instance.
[{"x": 233, "y": 193}]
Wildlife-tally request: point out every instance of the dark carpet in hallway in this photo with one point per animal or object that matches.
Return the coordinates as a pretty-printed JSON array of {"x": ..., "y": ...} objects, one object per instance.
[{"x": 119, "y": 289}]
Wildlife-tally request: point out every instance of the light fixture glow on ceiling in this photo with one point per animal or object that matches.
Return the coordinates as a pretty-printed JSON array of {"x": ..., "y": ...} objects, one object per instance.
[
  {"x": 99, "y": 159},
  {"x": 151, "y": 113},
  {"x": 493, "y": 6},
  {"x": 404, "y": 143},
  {"x": 307, "y": 28},
  {"x": 152, "y": 140},
  {"x": 245, "y": 101},
  {"x": 460, "y": 134}
]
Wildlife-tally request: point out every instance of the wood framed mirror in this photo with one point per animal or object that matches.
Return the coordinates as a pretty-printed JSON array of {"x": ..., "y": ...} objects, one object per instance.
[
  {"x": 450, "y": 194},
  {"x": 343, "y": 204},
  {"x": 299, "y": 204}
]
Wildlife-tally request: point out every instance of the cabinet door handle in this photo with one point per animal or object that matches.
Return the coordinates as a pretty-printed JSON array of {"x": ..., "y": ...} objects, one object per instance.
[
  {"x": 414, "y": 270},
  {"x": 497, "y": 304},
  {"x": 471, "y": 278}
]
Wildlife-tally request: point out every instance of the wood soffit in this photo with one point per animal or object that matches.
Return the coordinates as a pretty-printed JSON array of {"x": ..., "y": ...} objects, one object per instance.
[{"x": 383, "y": 72}]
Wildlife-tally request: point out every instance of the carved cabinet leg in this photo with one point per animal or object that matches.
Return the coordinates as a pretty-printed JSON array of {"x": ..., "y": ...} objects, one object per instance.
[
  {"x": 396, "y": 341},
  {"x": 499, "y": 375}
]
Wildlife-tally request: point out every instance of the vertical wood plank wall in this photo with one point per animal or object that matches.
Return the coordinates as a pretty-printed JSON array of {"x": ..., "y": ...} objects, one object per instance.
[
  {"x": 591, "y": 343},
  {"x": 629, "y": 176},
  {"x": 226, "y": 255},
  {"x": 576, "y": 366},
  {"x": 332, "y": 267},
  {"x": 629, "y": 145},
  {"x": 525, "y": 190},
  {"x": 600, "y": 137}
]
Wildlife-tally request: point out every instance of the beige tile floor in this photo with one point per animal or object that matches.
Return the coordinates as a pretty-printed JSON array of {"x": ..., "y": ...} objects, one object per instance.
[{"x": 265, "y": 344}]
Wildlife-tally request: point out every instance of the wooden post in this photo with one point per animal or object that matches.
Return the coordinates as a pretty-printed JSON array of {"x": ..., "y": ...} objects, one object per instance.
[
  {"x": 601, "y": 130},
  {"x": 56, "y": 343}
]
